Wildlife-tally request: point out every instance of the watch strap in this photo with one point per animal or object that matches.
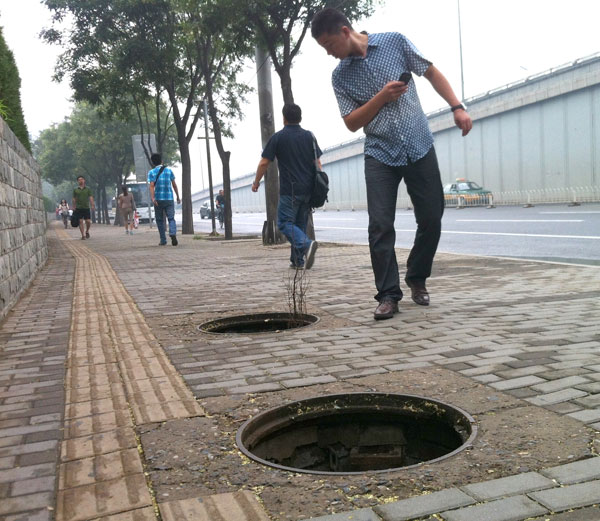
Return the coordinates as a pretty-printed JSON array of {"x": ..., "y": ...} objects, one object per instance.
[{"x": 459, "y": 106}]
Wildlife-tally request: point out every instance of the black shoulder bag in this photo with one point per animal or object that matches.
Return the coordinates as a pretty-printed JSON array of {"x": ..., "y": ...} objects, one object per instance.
[{"x": 320, "y": 189}]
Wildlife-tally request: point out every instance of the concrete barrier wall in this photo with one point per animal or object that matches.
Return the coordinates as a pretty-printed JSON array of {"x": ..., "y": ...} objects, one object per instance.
[{"x": 23, "y": 247}]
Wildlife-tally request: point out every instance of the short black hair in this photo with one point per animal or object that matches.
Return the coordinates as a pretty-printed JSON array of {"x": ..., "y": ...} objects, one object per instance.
[
  {"x": 156, "y": 159},
  {"x": 328, "y": 21},
  {"x": 292, "y": 113},
  {"x": 80, "y": 177}
]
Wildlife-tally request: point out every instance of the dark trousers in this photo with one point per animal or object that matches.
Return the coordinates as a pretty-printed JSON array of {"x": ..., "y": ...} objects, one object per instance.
[{"x": 424, "y": 187}]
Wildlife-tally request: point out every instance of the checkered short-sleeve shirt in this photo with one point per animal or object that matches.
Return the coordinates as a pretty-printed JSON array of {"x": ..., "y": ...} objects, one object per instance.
[
  {"x": 399, "y": 132},
  {"x": 162, "y": 189}
]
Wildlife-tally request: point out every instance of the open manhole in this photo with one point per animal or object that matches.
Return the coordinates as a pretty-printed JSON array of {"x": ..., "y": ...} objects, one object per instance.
[
  {"x": 357, "y": 432},
  {"x": 258, "y": 323}
]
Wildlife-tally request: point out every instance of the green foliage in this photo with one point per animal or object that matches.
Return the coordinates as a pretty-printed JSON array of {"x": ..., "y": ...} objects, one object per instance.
[
  {"x": 282, "y": 26},
  {"x": 91, "y": 144},
  {"x": 10, "y": 95}
]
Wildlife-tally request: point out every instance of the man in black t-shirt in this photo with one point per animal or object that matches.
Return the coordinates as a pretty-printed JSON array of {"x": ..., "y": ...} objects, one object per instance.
[
  {"x": 220, "y": 199},
  {"x": 294, "y": 149}
]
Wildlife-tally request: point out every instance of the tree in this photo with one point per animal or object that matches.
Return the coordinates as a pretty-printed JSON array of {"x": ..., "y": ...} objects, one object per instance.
[
  {"x": 222, "y": 41},
  {"x": 91, "y": 144},
  {"x": 276, "y": 22},
  {"x": 153, "y": 46},
  {"x": 10, "y": 94}
]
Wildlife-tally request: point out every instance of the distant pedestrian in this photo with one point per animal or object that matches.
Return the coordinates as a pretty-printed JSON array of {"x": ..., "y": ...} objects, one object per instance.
[
  {"x": 64, "y": 211},
  {"x": 295, "y": 150},
  {"x": 373, "y": 87},
  {"x": 162, "y": 184},
  {"x": 127, "y": 207},
  {"x": 83, "y": 202}
]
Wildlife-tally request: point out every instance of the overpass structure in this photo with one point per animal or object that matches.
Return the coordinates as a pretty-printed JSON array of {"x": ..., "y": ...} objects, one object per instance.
[{"x": 536, "y": 140}]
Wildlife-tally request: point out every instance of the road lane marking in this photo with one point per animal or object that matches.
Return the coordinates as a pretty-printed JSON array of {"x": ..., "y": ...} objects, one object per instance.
[
  {"x": 546, "y": 236},
  {"x": 519, "y": 220},
  {"x": 570, "y": 213}
]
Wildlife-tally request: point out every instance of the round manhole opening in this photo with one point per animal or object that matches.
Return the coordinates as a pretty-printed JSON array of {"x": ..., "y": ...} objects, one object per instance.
[
  {"x": 357, "y": 432},
  {"x": 258, "y": 323}
]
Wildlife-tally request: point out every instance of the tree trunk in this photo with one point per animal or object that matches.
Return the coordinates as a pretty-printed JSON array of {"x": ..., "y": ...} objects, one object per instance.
[
  {"x": 286, "y": 85},
  {"x": 186, "y": 166}
]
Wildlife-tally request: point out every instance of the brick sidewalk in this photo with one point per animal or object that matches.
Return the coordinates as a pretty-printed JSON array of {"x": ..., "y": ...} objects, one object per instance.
[{"x": 536, "y": 338}]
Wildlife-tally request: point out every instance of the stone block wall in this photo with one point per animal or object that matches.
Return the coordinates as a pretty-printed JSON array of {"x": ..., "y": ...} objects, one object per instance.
[{"x": 23, "y": 247}]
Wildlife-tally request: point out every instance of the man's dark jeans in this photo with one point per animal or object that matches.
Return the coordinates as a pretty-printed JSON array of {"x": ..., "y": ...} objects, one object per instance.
[
  {"x": 165, "y": 209},
  {"x": 292, "y": 217},
  {"x": 424, "y": 187}
]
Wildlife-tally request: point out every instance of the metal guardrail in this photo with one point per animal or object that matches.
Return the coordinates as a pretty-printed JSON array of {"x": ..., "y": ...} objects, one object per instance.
[{"x": 571, "y": 195}]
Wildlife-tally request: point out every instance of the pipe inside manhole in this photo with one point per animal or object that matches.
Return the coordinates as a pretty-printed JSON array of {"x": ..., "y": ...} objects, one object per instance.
[
  {"x": 258, "y": 323},
  {"x": 355, "y": 433}
]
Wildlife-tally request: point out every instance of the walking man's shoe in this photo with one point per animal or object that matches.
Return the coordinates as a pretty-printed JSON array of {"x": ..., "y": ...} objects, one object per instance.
[
  {"x": 310, "y": 255},
  {"x": 386, "y": 309},
  {"x": 174, "y": 240},
  {"x": 419, "y": 292},
  {"x": 87, "y": 235}
]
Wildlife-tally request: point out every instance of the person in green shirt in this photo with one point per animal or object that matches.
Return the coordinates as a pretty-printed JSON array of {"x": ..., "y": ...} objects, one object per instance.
[{"x": 83, "y": 201}]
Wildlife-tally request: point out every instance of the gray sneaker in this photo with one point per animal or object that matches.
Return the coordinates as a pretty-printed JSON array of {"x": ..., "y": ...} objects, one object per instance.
[{"x": 310, "y": 255}]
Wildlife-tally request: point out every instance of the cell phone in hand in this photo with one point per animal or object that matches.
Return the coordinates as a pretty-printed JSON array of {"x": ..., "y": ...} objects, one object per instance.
[{"x": 405, "y": 77}]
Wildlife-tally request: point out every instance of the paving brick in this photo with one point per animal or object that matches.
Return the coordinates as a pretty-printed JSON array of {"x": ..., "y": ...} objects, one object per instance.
[
  {"x": 36, "y": 515},
  {"x": 139, "y": 514},
  {"x": 301, "y": 382},
  {"x": 586, "y": 416},
  {"x": 582, "y": 514},
  {"x": 514, "y": 383},
  {"x": 237, "y": 506},
  {"x": 513, "y": 508},
  {"x": 518, "y": 484},
  {"x": 561, "y": 383},
  {"x": 103, "y": 467},
  {"x": 363, "y": 514},
  {"x": 26, "y": 502},
  {"x": 23, "y": 473},
  {"x": 426, "y": 504},
  {"x": 102, "y": 499},
  {"x": 584, "y": 470},
  {"x": 571, "y": 496},
  {"x": 31, "y": 486},
  {"x": 557, "y": 397}
]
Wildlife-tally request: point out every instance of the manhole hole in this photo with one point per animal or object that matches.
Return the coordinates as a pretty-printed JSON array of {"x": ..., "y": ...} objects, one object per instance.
[
  {"x": 356, "y": 432},
  {"x": 258, "y": 323}
]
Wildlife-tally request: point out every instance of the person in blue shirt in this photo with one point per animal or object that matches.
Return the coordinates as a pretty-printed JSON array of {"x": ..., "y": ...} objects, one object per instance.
[
  {"x": 398, "y": 144},
  {"x": 162, "y": 184},
  {"x": 295, "y": 150}
]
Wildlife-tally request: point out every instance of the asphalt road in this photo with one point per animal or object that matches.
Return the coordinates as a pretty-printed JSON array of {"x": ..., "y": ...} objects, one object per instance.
[{"x": 547, "y": 232}]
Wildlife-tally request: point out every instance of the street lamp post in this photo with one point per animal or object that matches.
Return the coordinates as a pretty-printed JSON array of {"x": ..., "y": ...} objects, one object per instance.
[{"x": 462, "y": 78}]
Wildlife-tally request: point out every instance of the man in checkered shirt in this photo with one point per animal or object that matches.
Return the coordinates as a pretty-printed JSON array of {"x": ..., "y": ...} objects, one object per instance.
[{"x": 398, "y": 145}]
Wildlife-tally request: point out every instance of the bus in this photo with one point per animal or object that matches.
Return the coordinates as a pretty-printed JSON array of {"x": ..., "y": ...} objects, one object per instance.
[{"x": 141, "y": 196}]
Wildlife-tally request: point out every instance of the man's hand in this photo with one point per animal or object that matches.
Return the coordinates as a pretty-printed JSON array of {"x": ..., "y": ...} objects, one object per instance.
[
  {"x": 93, "y": 208},
  {"x": 255, "y": 186},
  {"x": 393, "y": 90},
  {"x": 463, "y": 121},
  {"x": 154, "y": 202},
  {"x": 178, "y": 200}
]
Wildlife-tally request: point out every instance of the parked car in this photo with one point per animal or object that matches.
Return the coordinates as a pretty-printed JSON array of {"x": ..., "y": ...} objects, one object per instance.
[
  {"x": 205, "y": 212},
  {"x": 466, "y": 193}
]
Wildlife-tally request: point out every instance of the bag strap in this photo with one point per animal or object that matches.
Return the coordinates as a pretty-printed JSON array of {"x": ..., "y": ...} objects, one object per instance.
[
  {"x": 314, "y": 144},
  {"x": 158, "y": 175}
]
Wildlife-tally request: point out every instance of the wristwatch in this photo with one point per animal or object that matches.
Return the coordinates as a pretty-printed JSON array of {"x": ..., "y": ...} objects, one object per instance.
[{"x": 459, "y": 106}]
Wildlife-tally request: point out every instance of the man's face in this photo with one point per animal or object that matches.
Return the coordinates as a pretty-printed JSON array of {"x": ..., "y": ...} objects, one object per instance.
[
  {"x": 221, "y": 192},
  {"x": 81, "y": 182},
  {"x": 336, "y": 45}
]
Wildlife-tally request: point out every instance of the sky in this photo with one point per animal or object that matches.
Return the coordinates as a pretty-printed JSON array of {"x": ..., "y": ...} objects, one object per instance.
[{"x": 502, "y": 40}]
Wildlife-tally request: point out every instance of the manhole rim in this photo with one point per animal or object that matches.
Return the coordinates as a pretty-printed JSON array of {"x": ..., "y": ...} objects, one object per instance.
[
  {"x": 311, "y": 319},
  {"x": 465, "y": 445}
]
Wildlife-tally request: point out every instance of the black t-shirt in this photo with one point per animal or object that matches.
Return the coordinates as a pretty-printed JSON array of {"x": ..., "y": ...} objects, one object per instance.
[
  {"x": 293, "y": 148},
  {"x": 220, "y": 199}
]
